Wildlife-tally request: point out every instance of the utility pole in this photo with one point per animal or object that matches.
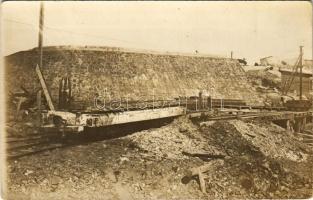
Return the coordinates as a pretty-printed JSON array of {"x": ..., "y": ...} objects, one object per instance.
[
  {"x": 40, "y": 36},
  {"x": 39, "y": 66},
  {"x": 300, "y": 65},
  {"x": 231, "y": 54}
]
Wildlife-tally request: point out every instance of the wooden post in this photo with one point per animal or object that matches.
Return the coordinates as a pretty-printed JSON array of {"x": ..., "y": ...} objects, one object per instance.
[
  {"x": 298, "y": 126},
  {"x": 45, "y": 89},
  {"x": 221, "y": 103},
  {"x": 292, "y": 125},
  {"x": 21, "y": 100},
  {"x": 200, "y": 100},
  {"x": 39, "y": 100},
  {"x": 303, "y": 124},
  {"x": 210, "y": 103},
  {"x": 61, "y": 96},
  {"x": 198, "y": 171},
  {"x": 40, "y": 35},
  {"x": 238, "y": 115},
  {"x": 186, "y": 105},
  {"x": 300, "y": 65},
  {"x": 39, "y": 106},
  {"x": 201, "y": 181},
  {"x": 288, "y": 126}
]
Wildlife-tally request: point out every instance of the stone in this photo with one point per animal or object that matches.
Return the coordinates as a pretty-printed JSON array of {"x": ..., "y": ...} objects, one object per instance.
[
  {"x": 54, "y": 180},
  {"x": 183, "y": 129},
  {"x": 28, "y": 172}
]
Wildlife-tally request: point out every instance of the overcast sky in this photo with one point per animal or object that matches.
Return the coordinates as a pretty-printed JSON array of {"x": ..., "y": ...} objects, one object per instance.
[{"x": 250, "y": 29}]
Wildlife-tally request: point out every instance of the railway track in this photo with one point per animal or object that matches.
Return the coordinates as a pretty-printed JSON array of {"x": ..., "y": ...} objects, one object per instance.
[
  {"x": 18, "y": 147},
  {"x": 226, "y": 116}
]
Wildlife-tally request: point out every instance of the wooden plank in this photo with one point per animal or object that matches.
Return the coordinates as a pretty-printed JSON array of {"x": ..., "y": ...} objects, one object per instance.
[
  {"x": 45, "y": 89},
  {"x": 204, "y": 155},
  {"x": 198, "y": 171},
  {"x": 195, "y": 170},
  {"x": 202, "y": 182}
]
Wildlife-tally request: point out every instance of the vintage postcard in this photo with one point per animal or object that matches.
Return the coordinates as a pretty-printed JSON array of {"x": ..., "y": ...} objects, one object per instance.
[{"x": 156, "y": 100}]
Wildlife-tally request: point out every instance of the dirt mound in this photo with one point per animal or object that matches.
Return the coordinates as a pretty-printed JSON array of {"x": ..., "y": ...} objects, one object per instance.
[
  {"x": 267, "y": 139},
  {"x": 118, "y": 73},
  {"x": 263, "y": 78},
  {"x": 260, "y": 161},
  {"x": 261, "y": 157},
  {"x": 171, "y": 140}
]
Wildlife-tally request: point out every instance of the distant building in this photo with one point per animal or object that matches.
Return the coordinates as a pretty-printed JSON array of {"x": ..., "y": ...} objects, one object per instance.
[
  {"x": 287, "y": 62},
  {"x": 266, "y": 61},
  {"x": 286, "y": 76},
  {"x": 308, "y": 63}
]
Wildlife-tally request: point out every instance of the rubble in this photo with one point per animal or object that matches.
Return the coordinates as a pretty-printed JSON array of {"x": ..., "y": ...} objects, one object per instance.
[
  {"x": 264, "y": 77},
  {"x": 253, "y": 160},
  {"x": 271, "y": 140},
  {"x": 170, "y": 141},
  {"x": 260, "y": 155}
]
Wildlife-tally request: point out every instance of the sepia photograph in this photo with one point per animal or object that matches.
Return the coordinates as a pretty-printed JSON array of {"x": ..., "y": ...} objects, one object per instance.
[{"x": 160, "y": 100}]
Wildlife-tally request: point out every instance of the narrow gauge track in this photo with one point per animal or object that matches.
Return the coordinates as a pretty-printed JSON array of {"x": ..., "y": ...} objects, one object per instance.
[
  {"x": 225, "y": 115},
  {"x": 17, "y": 147}
]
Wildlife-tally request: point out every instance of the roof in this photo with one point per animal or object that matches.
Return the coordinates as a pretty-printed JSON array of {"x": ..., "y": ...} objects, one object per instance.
[{"x": 266, "y": 57}]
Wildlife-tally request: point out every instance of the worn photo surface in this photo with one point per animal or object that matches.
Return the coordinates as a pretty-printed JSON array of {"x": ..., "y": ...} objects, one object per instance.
[{"x": 156, "y": 100}]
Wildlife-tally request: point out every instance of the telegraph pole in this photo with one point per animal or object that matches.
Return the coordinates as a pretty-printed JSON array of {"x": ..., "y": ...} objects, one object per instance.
[
  {"x": 300, "y": 65},
  {"x": 40, "y": 36},
  {"x": 39, "y": 66}
]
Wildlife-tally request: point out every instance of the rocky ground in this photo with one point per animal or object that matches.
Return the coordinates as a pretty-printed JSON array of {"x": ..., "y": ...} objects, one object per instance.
[
  {"x": 253, "y": 160},
  {"x": 263, "y": 77}
]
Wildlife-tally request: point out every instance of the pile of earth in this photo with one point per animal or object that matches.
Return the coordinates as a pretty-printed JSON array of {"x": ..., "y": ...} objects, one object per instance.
[
  {"x": 172, "y": 140},
  {"x": 263, "y": 78},
  {"x": 261, "y": 164},
  {"x": 120, "y": 73},
  {"x": 260, "y": 160},
  {"x": 238, "y": 137}
]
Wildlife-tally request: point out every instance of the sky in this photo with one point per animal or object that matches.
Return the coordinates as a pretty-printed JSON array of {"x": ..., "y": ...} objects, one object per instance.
[{"x": 250, "y": 29}]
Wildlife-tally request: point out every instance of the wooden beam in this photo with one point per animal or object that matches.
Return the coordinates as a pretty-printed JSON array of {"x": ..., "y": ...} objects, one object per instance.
[
  {"x": 201, "y": 182},
  {"x": 39, "y": 106},
  {"x": 198, "y": 171},
  {"x": 44, "y": 88}
]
